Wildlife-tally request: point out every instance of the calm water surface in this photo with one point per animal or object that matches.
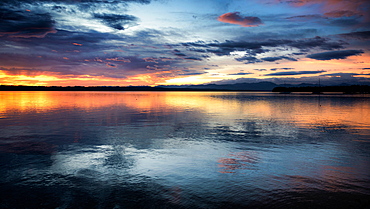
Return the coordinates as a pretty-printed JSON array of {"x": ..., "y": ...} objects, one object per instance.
[{"x": 183, "y": 150}]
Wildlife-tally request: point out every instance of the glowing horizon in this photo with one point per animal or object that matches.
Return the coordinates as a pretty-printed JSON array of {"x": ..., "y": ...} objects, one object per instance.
[{"x": 149, "y": 43}]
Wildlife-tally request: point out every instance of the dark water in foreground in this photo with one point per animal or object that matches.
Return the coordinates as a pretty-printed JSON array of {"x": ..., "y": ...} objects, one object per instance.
[{"x": 183, "y": 150}]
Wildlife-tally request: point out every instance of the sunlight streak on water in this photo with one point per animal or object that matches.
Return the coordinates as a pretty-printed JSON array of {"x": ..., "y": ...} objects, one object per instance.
[{"x": 183, "y": 149}]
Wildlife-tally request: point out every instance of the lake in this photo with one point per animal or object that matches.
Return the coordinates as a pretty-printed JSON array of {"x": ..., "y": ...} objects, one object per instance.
[{"x": 184, "y": 150}]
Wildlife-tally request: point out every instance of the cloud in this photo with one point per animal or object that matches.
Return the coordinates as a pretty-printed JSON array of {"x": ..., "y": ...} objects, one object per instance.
[
  {"x": 115, "y": 21},
  {"x": 361, "y": 35},
  {"x": 38, "y": 34},
  {"x": 241, "y": 73},
  {"x": 72, "y": 15},
  {"x": 319, "y": 42},
  {"x": 250, "y": 60},
  {"x": 326, "y": 80},
  {"x": 273, "y": 59},
  {"x": 284, "y": 68},
  {"x": 343, "y": 54},
  {"x": 25, "y": 24},
  {"x": 85, "y": 2},
  {"x": 294, "y": 73},
  {"x": 334, "y": 18},
  {"x": 304, "y": 17},
  {"x": 343, "y": 74},
  {"x": 341, "y": 13},
  {"x": 337, "y": 8},
  {"x": 236, "y": 18},
  {"x": 192, "y": 73},
  {"x": 259, "y": 47},
  {"x": 193, "y": 58}
]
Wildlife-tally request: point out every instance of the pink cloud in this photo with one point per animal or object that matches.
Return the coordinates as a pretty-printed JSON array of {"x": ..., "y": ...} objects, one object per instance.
[
  {"x": 117, "y": 59},
  {"x": 336, "y": 8},
  {"x": 236, "y": 18},
  {"x": 29, "y": 33},
  {"x": 341, "y": 13}
]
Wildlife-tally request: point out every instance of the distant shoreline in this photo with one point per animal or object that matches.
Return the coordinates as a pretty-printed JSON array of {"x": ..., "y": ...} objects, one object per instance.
[
  {"x": 354, "y": 89},
  {"x": 105, "y": 88}
]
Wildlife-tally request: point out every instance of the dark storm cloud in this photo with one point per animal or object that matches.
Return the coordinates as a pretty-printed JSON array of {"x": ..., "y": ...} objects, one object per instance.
[
  {"x": 18, "y": 16},
  {"x": 341, "y": 13},
  {"x": 228, "y": 46},
  {"x": 304, "y": 17},
  {"x": 283, "y": 33},
  {"x": 258, "y": 47},
  {"x": 91, "y": 53},
  {"x": 25, "y": 24},
  {"x": 136, "y": 64},
  {"x": 18, "y": 2},
  {"x": 294, "y": 73},
  {"x": 273, "y": 59},
  {"x": 192, "y": 73},
  {"x": 249, "y": 60},
  {"x": 87, "y": 45},
  {"x": 343, "y": 74},
  {"x": 116, "y": 21},
  {"x": 241, "y": 73},
  {"x": 319, "y": 42},
  {"x": 34, "y": 60},
  {"x": 193, "y": 58},
  {"x": 62, "y": 43},
  {"x": 284, "y": 68},
  {"x": 362, "y": 35},
  {"x": 178, "y": 53},
  {"x": 343, "y": 54}
]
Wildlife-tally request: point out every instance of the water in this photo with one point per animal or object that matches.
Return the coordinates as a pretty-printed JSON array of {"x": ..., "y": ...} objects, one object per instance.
[{"x": 183, "y": 150}]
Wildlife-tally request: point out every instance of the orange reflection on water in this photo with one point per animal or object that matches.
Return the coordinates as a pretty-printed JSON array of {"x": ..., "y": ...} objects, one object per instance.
[
  {"x": 44, "y": 101},
  {"x": 215, "y": 108},
  {"x": 238, "y": 161}
]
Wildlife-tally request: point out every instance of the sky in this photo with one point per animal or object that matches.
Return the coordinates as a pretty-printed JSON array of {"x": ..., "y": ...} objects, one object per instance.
[{"x": 176, "y": 42}]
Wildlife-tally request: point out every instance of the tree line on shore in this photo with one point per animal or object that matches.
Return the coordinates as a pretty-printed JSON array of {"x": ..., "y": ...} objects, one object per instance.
[{"x": 353, "y": 89}]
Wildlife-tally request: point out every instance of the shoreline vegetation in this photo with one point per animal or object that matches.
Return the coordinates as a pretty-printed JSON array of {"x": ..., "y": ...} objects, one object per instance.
[
  {"x": 104, "y": 88},
  {"x": 353, "y": 89}
]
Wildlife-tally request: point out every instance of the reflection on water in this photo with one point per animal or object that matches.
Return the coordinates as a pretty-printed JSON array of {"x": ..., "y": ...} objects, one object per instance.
[
  {"x": 240, "y": 160},
  {"x": 183, "y": 150}
]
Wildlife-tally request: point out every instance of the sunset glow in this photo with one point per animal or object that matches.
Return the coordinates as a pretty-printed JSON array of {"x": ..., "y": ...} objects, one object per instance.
[{"x": 113, "y": 43}]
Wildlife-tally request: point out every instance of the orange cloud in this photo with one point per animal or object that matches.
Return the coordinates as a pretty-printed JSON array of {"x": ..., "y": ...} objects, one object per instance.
[
  {"x": 237, "y": 19},
  {"x": 337, "y": 8},
  {"x": 29, "y": 33},
  {"x": 119, "y": 59},
  {"x": 341, "y": 13}
]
